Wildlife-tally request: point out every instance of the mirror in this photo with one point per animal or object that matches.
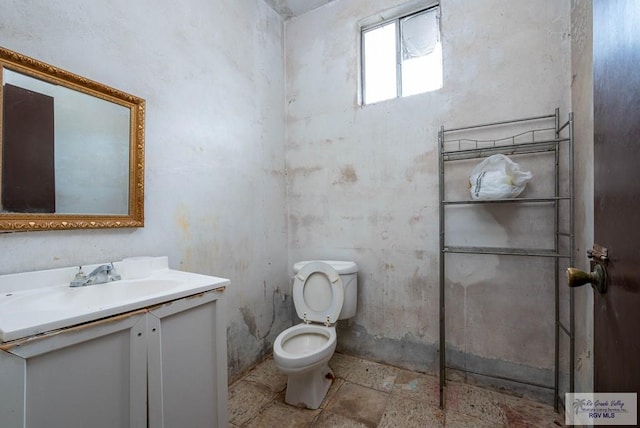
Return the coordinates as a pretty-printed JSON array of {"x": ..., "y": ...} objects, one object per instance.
[{"x": 72, "y": 150}]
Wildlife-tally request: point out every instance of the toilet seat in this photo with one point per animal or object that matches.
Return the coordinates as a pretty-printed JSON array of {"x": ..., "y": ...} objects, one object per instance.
[{"x": 318, "y": 293}]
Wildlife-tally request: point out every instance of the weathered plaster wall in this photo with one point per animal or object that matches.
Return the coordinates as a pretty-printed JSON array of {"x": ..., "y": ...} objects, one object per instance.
[
  {"x": 363, "y": 182},
  {"x": 582, "y": 102},
  {"x": 212, "y": 73}
]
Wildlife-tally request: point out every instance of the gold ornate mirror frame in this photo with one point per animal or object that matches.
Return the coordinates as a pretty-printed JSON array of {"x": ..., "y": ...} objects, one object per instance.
[{"x": 15, "y": 221}]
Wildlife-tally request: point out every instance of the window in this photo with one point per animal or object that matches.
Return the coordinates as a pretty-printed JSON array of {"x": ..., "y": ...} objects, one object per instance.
[{"x": 401, "y": 56}]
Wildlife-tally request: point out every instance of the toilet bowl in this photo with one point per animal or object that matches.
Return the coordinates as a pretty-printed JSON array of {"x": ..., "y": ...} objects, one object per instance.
[
  {"x": 304, "y": 346},
  {"x": 303, "y": 351}
]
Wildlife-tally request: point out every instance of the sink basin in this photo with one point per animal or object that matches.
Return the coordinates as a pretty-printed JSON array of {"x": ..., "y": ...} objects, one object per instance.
[
  {"x": 32, "y": 303},
  {"x": 60, "y": 299}
]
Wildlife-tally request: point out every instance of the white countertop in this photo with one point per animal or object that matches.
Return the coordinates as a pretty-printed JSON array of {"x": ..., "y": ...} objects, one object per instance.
[{"x": 32, "y": 303}]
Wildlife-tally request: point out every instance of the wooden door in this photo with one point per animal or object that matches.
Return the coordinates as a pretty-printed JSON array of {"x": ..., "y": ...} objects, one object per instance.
[
  {"x": 28, "y": 173},
  {"x": 616, "y": 60}
]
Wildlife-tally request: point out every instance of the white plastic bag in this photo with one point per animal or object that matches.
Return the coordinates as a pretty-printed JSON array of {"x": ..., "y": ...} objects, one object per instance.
[{"x": 498, "y": 177}]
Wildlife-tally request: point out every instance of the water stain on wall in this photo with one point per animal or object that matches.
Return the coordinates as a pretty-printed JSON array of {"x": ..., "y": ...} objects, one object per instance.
[
  {"x": 182, "y": 220},
  {"x": 305, "y": 222},
  {"x": 424, "y": 163},
  {"x": 331, "y": 141},
  {"x": 302, "y": 171},
  {"x": 380, "y": 218},
  {"x": 417, "y": 285},
  {"x": 348, "y": 175},
  {"x": 245, "y": 350},
  {"x": 277, "y": 302},
  {"x": 250, "y": 321},
  {"x": 277, "y": 173},
  {"x": 411, "y": 351}
]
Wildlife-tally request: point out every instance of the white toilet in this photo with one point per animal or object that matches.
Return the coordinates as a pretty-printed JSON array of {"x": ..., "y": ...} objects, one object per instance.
[{"x": 323, "y": 293}]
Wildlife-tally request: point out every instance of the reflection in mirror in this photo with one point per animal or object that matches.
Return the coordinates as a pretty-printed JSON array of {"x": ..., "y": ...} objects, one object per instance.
[
  {"x": 72, "y": 150},
  {"x": 88, "y": 178}
]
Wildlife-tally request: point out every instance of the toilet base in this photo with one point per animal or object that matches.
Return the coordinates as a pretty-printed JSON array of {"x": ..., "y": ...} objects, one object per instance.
[{"x": 309, "y": 389}]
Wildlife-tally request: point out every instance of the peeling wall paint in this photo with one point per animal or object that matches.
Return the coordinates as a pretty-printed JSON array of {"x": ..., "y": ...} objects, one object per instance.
[{"x": 502, "y": 60}]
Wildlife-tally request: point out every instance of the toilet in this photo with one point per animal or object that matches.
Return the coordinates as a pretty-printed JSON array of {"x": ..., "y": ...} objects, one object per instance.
[{"x": 323, "y": 293}]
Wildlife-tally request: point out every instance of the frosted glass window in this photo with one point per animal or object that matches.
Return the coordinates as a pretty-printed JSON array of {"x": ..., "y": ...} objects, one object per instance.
[{"x": 402, "y": 57}]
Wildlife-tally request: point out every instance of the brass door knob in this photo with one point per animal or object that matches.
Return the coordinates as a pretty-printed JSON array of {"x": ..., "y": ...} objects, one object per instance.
[{"x": 597, "y": 278}]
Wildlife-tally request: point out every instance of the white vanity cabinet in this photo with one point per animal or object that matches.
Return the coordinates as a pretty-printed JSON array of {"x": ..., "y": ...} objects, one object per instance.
[
  {"x": 162, "y": 366},
  {"x": 187, "y": 363},
  {"x": 92, "y": 375}
]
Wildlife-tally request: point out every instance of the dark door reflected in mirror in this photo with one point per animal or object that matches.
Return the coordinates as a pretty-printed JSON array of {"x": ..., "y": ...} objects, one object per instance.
[{"x": 28, "y": 171}]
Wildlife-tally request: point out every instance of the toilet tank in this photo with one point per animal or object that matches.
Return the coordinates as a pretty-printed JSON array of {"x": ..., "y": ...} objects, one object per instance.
[{"x": 348, "y": 272}]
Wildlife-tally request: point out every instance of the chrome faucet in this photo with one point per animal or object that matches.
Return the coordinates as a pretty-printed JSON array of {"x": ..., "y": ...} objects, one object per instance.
[{"x": 100, "y": 275}]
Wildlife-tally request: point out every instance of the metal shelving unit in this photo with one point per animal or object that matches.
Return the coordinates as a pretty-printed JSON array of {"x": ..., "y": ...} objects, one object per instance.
[{"x": 535, "y": 135}]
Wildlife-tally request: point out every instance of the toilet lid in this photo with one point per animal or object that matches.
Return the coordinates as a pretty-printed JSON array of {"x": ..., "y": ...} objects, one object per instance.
[{"x": 318, "y": 293}]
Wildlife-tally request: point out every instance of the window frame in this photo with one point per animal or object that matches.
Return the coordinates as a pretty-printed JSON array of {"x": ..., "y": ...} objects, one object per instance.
[{"x": 397, "y": 19}]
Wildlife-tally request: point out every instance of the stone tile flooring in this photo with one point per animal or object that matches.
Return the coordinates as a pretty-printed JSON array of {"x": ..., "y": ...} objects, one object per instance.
[{"x": 368, "y": 394}]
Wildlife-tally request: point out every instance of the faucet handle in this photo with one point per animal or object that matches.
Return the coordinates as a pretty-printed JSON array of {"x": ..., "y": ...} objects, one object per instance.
[
  {"x": 80, "y": 278},
  {"x": 113, "y": 273},
  {"x": 80, "y": 274}
]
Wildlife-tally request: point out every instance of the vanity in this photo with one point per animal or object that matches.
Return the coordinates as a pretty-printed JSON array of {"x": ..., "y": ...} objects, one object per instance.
[
  {"x": 145, "y": 350},
  {"x": 124, "y": 344}
]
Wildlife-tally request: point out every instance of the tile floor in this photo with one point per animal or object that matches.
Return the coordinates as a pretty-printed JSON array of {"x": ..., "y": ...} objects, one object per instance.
[{"x": 368, "y": 394}]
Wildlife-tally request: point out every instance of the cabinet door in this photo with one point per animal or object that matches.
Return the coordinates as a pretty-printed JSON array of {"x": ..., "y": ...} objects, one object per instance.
[
  {"x": 93, "y": 375},
  {"x": 188, "y": 363}
]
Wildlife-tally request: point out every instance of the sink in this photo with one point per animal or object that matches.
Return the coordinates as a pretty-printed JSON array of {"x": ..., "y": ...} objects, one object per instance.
[
  {"x": 37, "y": 302},
  {"x": 64, "y": 298}
]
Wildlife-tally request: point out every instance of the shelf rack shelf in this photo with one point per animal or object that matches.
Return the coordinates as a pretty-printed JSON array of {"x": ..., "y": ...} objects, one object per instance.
[
  {"x": 535, "y": 135},
  {"x": 506, "y": 201},
  {"x": 534, "y": 252}
]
